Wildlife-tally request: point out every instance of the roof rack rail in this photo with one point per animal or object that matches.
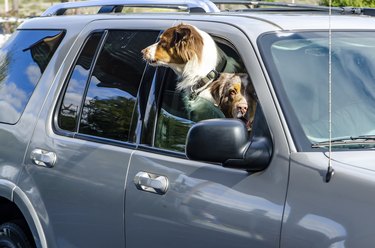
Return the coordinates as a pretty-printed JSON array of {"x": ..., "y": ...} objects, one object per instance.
[
  {"x": 113, "y": 6},
  {"x": 310, "y": 7}
]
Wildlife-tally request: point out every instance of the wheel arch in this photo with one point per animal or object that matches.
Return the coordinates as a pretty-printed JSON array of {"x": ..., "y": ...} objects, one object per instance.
[{"x": 18, "y": 203}]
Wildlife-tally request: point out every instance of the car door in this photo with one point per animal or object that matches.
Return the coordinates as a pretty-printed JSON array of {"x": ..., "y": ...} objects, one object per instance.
[
  {"x": 172, "y": 201},
  {"x": 78, "y": 157}
]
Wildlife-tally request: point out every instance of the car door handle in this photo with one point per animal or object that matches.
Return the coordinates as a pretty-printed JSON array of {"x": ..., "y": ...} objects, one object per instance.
[
  {"x": 43, "y": 158},
  {"x": 151, "y": 182}
]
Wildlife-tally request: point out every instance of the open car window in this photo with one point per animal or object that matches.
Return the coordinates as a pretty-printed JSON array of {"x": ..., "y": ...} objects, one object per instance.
[{"x": 174, "y": 119}]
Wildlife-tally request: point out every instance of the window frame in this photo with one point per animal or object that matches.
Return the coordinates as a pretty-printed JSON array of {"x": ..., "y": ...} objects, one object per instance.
[{"x": 160, "y": 84}]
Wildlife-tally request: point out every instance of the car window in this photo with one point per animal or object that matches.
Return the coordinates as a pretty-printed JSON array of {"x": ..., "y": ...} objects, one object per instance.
[
  {"x": 108, "y": 80},
  {"x": 173, "y": 120},
  {"x": 70, "y": 107},
  {"x": 22, "y": 62}
]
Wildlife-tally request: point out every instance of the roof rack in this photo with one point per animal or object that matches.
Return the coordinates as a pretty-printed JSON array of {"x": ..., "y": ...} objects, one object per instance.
[
  {"x": 113, "y": 6},
  {"x": 198, "y": 6},
  {"x": 254, "y": 5}
]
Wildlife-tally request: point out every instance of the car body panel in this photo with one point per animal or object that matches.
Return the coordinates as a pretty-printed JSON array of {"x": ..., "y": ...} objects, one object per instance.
[
  {"x": 320, "y": 211},
  {"x": 89, "y": 198},
  {"x": 205, "y": 203}
]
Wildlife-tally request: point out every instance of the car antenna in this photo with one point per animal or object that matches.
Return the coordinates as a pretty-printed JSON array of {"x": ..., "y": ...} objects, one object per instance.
[{"x": 330, "y": 170}]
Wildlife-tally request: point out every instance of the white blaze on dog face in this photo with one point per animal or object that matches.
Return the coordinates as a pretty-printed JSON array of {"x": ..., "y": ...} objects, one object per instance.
[
  {"x": 228, "y": 91},
  {"x": 238, "y": 104},
  {"x": 177, "y": 45},
  {"x": 149, "y": 54}
]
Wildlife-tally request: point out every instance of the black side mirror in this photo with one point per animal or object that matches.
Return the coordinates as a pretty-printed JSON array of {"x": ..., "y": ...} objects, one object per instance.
[{"x": 227, "y": 141}]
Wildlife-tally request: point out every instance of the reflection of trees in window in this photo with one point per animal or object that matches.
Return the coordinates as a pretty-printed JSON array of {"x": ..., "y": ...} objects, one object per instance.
[
  {"x": 109, "y": 86},
  {"x": 70, "y": 107},
  {"x": 110, "y": 99},
  {"x": 107, "y": 118},
  {"x": 68, "y": 116},
  {"x": 171, "y": 131}
]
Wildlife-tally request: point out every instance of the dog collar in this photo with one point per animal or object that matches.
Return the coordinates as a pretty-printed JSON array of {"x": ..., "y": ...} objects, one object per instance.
[
  {"x": 215, "y": 73},
  {"x": 210, "y": 77},
  {"x": 203, "y": 84}
]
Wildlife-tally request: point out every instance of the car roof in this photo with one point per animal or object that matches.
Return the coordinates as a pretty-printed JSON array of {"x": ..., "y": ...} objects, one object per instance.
[
  {"x": 267, "y": 21},
  {"x": 257, "y": 18},
  {"x": 311, "y": 20}
]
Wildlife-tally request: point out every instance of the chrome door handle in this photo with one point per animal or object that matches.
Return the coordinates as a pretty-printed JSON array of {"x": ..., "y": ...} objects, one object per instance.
[
  {"x": 151, "y": 182},
  {"x": 43, "y": 158}
]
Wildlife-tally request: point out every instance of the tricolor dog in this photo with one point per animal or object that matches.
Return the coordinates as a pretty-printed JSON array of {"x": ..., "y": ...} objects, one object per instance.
[{"x": 194, "y": 56}]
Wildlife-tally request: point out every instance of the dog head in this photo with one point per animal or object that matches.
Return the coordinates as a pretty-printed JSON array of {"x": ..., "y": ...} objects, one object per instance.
[
  {"x": 230, "y": 93},
  {"x": 177, "y": 46}
]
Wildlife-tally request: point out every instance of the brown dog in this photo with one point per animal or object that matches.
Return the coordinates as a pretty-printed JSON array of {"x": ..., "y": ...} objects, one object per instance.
[{"x": 235, "y": 96}]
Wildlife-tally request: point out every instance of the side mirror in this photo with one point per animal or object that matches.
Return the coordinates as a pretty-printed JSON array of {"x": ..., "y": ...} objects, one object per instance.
[{"x": 227, "y": 141}]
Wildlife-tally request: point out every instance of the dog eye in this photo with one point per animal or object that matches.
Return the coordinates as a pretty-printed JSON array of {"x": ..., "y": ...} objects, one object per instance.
[
  {"x": 163, "y": 44},
  {"x": 233, "y": 92}
]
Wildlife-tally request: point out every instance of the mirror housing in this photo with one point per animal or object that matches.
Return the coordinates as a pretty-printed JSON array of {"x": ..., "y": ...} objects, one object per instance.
[{"x": 227, "y": 141}]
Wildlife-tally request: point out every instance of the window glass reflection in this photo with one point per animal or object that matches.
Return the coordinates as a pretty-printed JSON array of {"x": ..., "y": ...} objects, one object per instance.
[{"x": 23, "y": 59}]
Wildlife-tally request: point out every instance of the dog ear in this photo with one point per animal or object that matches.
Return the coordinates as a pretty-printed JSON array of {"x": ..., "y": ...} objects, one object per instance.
[
  {"x": 182, "y": 33},
  {"x": 188, "y": 42}
]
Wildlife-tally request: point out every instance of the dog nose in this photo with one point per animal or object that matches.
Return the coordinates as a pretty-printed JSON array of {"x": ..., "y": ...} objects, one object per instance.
[
  {"x": 242, "y": 108},
  {"x": 146, "y": 54},
  {"x": 144, "y": 51}
]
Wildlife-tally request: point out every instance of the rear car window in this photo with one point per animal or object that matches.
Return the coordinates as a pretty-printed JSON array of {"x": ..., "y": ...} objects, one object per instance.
[
  {"x": 22, "y": 62},
  {"x": 101, "y": 94}
]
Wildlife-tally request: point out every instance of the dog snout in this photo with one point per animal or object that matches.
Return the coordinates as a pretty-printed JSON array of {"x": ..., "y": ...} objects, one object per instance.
[
  {"x": 146, "y": 53},
  {"x": 242, "y": 107},
  {"x": 149, "y": 54},
  {"x": 241, "y": 111}
]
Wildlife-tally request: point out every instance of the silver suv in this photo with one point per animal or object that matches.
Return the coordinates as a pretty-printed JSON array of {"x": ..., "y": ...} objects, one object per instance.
[{"x": 96, "y": 148}]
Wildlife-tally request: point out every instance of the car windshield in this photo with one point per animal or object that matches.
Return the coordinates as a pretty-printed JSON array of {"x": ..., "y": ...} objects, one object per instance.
[{"x": 300, "y": 71}]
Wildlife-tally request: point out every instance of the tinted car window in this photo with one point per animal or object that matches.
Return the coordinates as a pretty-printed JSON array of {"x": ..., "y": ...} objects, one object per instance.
[
  {"x": 22, "y": 62},
  {"x": 70, "y": 108},
  {"x": 108, "y": 83}
]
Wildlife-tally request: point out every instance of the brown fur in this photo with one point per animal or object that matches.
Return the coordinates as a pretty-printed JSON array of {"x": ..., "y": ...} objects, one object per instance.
[
  {"x": 178, "y": 45},
  {"x": 235, "y": 96}
]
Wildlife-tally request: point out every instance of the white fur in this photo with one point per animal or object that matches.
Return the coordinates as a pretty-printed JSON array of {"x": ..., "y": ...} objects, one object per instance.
[
  {"x": 193, "y": 71},
  {"x": 152, "y": 51}
]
